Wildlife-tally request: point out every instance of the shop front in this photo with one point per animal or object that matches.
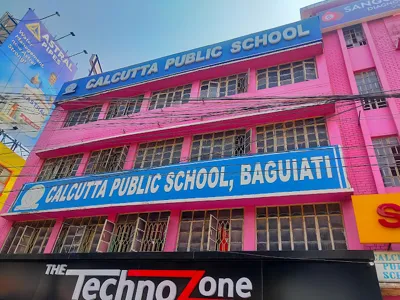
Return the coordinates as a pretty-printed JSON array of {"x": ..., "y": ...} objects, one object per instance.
[
  {"x": 378, "y": 223},
  {"x": 210, "y": 275}
]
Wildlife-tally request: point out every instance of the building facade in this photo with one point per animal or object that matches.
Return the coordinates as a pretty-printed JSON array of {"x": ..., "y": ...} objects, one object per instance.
[{"x": 254, "y": 144}]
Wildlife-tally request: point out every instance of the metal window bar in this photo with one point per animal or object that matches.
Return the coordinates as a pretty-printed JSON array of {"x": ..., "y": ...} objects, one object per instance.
[
  {"x": 354, "y": 36},
  {"x": 73, "y": 239},
  {"x": 25, "y": 240},
  {"x": 60, "y": 167},
  {"x": 83, "y": 116},
  {"x": 368, "y": 83},
  {"x": 224, "y": 234},
  {"x": 218, "y": 145},
  {"x": 290, "y": 73},
  {"x": 124, "y": 107},
  {"x": 37, "y": 242},
  {"x": 160, "y": 153},
  {"x": 300, "y": 227},
  {"x": 144, "y": 232},
  {"x": 107, "y": 160},
  {"x": 169, "y": 97},
  {"x": 387, "y": 151},
  {"x": 292, "y": 135},
  {"x": 224, "y": 86}
]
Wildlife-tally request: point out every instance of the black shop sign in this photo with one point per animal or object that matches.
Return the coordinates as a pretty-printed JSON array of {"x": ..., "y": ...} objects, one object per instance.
[{"x": 190, "y": 276}]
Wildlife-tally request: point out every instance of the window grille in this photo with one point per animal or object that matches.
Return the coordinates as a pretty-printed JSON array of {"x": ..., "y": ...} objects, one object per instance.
[
  {"x": 79, "y": 235},
  {"x": 220, "y": 144},
  {"x": 107, "y": 160},
  {"x": 292, "y": 135},
  {"x": 5, "y": 174},
  {"x": 300, "y": 227},
  {"x": 157, "y": 154},
  {"x": 387, "y": 151},
  {"x": 28, "y": 237},
  {"x": 211, "y": 230},
  {"x": 286, "y": 74},
  {"x": 368, "y": 83},
  {"x": 83, "y": 116},
  {"x": 169, "y": 97},
  {"x": 354, "y": 36},
  {"x": 124, "y": 107},
  {"x": 60, "y": 167},
  {"x": 145, "y": 232},
  {"x": 224, "y": 86}
]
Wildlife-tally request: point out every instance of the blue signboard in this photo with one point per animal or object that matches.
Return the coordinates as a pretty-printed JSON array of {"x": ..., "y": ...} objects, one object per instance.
[
  {"x": 252, "y": 45},
  {"x": 356, "y": 10},
  {"x": 318, "y": 170},
  {"x": 33, "y": 67}
]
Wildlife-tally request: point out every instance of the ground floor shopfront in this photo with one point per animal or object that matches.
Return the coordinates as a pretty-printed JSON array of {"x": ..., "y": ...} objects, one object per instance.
[
  {"x": 378, "y": 223},
  {"x": 329, "y": 275}
]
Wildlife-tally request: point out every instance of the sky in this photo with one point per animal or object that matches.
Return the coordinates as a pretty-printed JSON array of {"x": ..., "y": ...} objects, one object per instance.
[{"x": 126, "y": 32}]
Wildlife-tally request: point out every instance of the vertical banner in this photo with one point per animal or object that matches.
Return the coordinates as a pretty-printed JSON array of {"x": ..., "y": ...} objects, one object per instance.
[{"x": 33, "y": 67}]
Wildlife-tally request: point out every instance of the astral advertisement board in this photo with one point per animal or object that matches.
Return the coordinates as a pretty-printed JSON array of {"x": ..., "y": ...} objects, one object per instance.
[{"x": 33, "y": 67}]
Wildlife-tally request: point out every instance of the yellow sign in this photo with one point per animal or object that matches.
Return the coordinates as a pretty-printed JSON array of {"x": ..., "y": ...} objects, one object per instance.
[
  {"x": 34, "y": 28},
  {"x": 378, "y": 218}
]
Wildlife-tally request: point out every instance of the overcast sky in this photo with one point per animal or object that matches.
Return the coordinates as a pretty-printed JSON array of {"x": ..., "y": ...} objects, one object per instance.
[{"x": 125, "y": 32}]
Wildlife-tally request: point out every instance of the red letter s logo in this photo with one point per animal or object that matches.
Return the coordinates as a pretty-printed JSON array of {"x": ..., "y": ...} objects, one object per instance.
[{"x": 388, "y": 214}]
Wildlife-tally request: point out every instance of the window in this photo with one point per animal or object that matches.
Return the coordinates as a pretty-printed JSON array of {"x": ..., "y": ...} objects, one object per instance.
[
  {"x": 368, "y": 82},
  {"x": 354, "y": 36},
  {"x": 157, "y": 154},
  {"x": 387, "y": 151},
  {"x": 144, "y": 232},
  {"x": 79, "y": 235},
  {"x": 60, "y": 167},
  {"x": 169, "y": 97},
  {"x": 5, "y": 174},
  {"x": 286, "y": 74},
  {"x": 28, "y": 237},
  {"x": 225, "y": 86},
  {"x": 300, "y": 227},
  {"x": 220, "y": 144},
  {"x": 292, "y": 135},
  {"x": 107, "y": 160},
  {"x": 123, "y": 107},
  {"x": 211, "y": 230},
  {"x": 83, "y": 116}
]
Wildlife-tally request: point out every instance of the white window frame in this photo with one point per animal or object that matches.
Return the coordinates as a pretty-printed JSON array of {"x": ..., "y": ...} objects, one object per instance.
[
  {"x": 368, "y": 82},
  {"x": 354, "y": 36},
  {"x": 219, "y": 87},
  {"x": 227, "y": 141},
  {"x": 387, "y": 152},
  {"x": 124, "y": 107},
  {"x": 60, "y": 167},
  {"x": 83, "y": 116},
  {"x": 264, "y": 76},
  {"x": 79, "y": 233},
  {"x": 160, "y": 153},
  {"x": 106, "y": 237},
  {"x": 170, "y": 97},
  {"x": 107, "y": 158},
  {"x": 5, "y": 175}
]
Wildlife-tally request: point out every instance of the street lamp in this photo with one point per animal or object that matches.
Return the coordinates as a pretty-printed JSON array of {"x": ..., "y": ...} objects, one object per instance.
[{"x": 71, "y": 33}]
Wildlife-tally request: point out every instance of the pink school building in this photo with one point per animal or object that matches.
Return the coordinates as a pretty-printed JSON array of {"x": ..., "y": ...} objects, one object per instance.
[{"x": 222, "y": 148}]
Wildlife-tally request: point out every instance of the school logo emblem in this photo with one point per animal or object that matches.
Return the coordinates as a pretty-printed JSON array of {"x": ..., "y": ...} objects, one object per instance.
[
  {"x": 34, "y": 28},
  {"x": 70, "y": 89},
  {"x": 31, "y": 198}
]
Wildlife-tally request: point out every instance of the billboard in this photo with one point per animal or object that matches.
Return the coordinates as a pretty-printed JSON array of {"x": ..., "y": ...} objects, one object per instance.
[
  {"x": 356, "y": 11},
  {"x": 308, "y": 171},
  {"x": 253, "y": 45},
  {"x": 191, "y": 276},
  {"x": 33, "y": 67}
]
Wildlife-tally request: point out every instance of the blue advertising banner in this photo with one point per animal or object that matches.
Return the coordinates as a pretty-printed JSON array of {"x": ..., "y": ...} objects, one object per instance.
[
  {"x": 357, "y": 10},
  {"x": 33, "y": 67},
  {"x": 252, "y": 45},
  {"x": 308, "y": 171}
]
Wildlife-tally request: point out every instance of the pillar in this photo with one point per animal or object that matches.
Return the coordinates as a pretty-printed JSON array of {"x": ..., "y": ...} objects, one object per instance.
[
  {"x": 172, "y": 233},
  {"x": 54, "y": 235}
]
